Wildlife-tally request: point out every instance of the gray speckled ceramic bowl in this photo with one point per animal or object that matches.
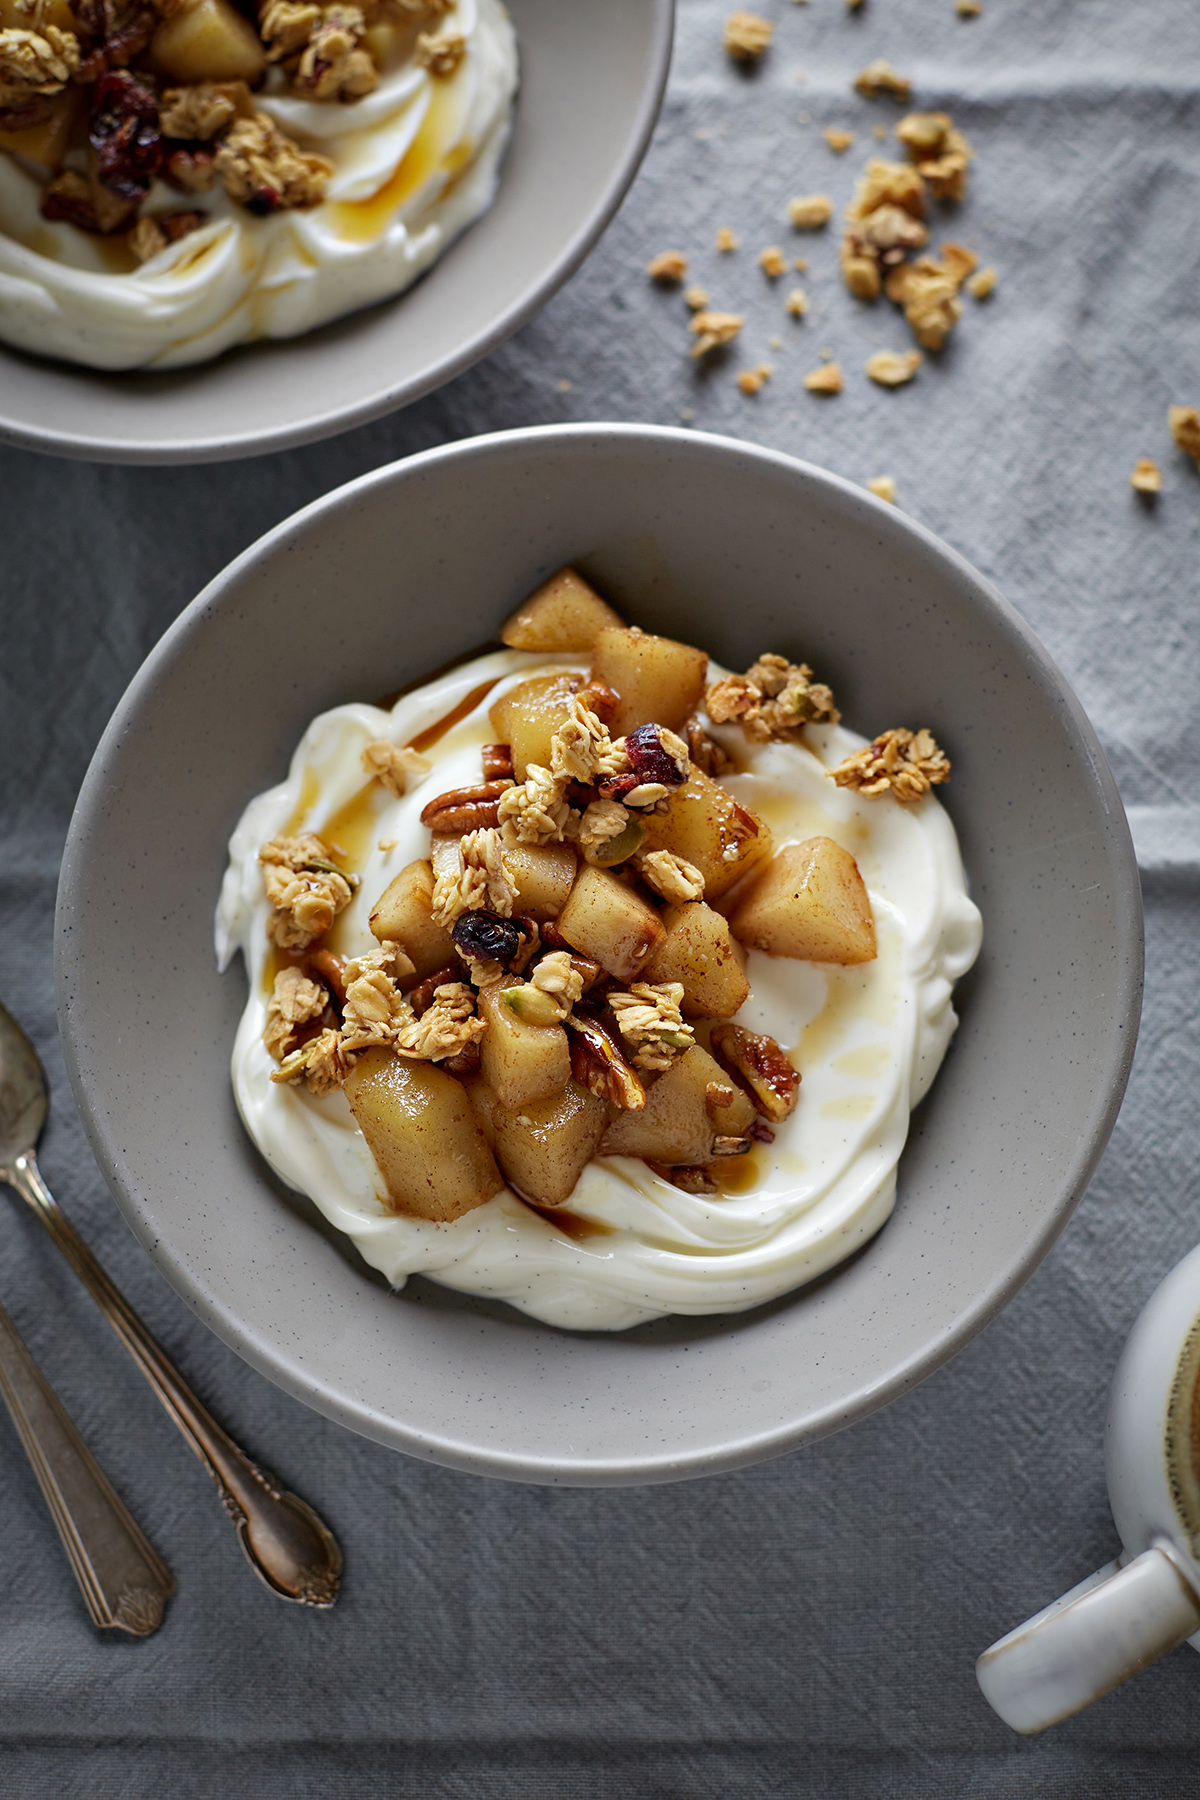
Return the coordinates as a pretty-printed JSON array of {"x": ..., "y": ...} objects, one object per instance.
[
  {"x": 734, "y": 548},
  {"x": 592, "y": 78}
]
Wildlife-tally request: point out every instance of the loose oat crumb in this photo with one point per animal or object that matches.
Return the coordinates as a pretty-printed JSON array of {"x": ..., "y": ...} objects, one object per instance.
[
  {"x": 747, "y": 36},
  {"x": 726, "y": 240},
  {"x": 825, "y": 380},
  {"x": 772, "y": 700},
  {"x": 1185, "y": 428},
  {"x": 883, "y": 487},
  {"x": 668, "y": 266},
  {"x": 809, "y": 212},
  {"x": 1146, "y": 477},
  {"x": 797, "y": 303},
  {"x": 928, "y": 292},
  {"x": 564, "y": 386},
  {"x": 879, "y": 133},
  {"x": 306, "y": 890},
  {"x": 878, "y": 78},
  {"x": 695, "y": 297},
  {"x": 441, "y": 52},
  {"x": 772, "y": 262},
  {"x": 393, "y": 765},
  {"x": 750, "y": 380},
  {"x": 982, "y": 283},
  {"x": 671, "y": 876},
  {"x": 958, "y": 260},
  {"x": 968, "y": 9},
  {"x": 800, "y": 264},
  {"x": 940, "y": 151},
  {"x": 892, "y": 368},
  {"x": 837, "y": 139},
  {"x": 649, "y": 1019},
  {"x": 294, "y": 1001},
  {"x": 774, "y": 342},
  {"x": 146, "y": 239},
  {"x": 906, "y": 763},
  {"x": 713, "y": 329}
]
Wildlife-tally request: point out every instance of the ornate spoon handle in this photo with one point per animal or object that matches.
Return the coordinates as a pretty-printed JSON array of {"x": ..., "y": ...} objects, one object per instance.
[
  {"x": 124, "y": 1581},
  {"x": 292, "y": 1549}
]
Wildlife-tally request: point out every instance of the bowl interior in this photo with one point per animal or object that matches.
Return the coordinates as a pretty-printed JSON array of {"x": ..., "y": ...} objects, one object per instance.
[
  {"x": 739, "y": 550},
  {"x": 576, "y": 145}
]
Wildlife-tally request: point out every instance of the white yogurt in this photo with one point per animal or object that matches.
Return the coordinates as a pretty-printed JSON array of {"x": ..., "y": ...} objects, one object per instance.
[
  {"x": 867, "y": 1040},
  {"x": 415, "y": 163}
]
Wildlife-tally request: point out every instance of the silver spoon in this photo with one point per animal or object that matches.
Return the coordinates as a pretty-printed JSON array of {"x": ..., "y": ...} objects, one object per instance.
[{"x": 292, "y": 1549}]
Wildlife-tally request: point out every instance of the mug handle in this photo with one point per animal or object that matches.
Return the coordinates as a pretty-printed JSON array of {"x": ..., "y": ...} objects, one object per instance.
[{"x": 1113, "y": 1624}]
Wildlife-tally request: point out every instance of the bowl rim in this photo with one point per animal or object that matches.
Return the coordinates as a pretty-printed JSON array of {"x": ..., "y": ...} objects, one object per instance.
[
  {"x": 97, "y": 447},
  {"x": 271, "y": 1359}
]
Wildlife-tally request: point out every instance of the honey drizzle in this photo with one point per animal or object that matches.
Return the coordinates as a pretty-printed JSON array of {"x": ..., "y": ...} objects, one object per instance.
[{"x": 425, "y": 740}]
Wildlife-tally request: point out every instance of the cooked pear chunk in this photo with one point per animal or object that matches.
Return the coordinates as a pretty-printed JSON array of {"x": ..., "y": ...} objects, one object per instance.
[
  {"x": 705, "y": 825},
  {"x": 422, "y": 1133},
  {"x": 700, "y": 952},
  {"x": 544, "y": 1146},
  {"x": 47, "y": 142},
  {"x": 659, "y": 681},
  {"x": 208, "y": 41},
  {"x": 687, "y": 1109},
  {"x": 527, "y": 717},
  {"x": 810, "y": 903},
  {"x": 609, "y": 922},
  {"x": 565, "y": 613},
  {"x": 543, "y": 874},
  {"x": 403, "y": 915},
  {"x": 520, "y": 1062}
]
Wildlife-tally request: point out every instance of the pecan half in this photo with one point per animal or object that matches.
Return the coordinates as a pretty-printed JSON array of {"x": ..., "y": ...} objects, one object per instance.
[
  {"x": 331, "y": 970},
  {"x": 598, "y": 1064},
  {"x": 497, "y": 762},
  {"x": 420, "y": 998},
  {"x": 599, "y": 698},
  {"x": 759, "y": 1065},
  {"x": 730, "y": 1146},
  {"x": 460, "y": 810}
]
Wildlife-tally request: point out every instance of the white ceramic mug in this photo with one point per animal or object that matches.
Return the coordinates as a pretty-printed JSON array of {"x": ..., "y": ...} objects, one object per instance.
[{"x": 1148, "y": 1601}]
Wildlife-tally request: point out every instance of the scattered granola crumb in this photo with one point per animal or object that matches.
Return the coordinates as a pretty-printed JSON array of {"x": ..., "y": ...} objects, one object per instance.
[
  {"x": 878, "y": 78},
  {"x": 908, "y": 763},
  {"x": 696, "y": 297},
  {"x": 804, "y": 118},
  {"x": 825, "y": 380},
  {"x": 853, "y": 5},
  {"x": 747, "y": 36},
  {"x": 772, "y": 262},
  {"x": 713, "y": 329},
  {"x": 892, "y": 368},
  {"x": 808, "y": 212},
  {"x": 668, "y": 266},
  {"x": 387, "y": 845},
  {"x": 441, "y": 52},
  {"x": 687, "y": 415},
  {"x": 1146, "y": 477},
  {"x": 940, "y": 151},
  {"x": 883, "y": 487},
  {"x": 750, "y": 380},
  {"x": 837, "y": 139},
  {"x": 879, "y": 132},
  {"x": 306, "y": 889},
  {"x": 650, "y": 1021},
  {"x": 1185, "y": 428},
  {"x": 968, "y": 9},
  {"x": 392, "y": 765},
  {"x": 564, "y": 386},
  {"x": 797, "y": 303},
  {"x": 982, "y": 283},
  {"x": 295, "y": 1001},
  {"x": 959, "y": 260},
  {"x": 928, "y": 292},
  {"x": 671, "y": 876},
  {"x": 772, "y": 700},
  {"x": 726, "y": 240}
]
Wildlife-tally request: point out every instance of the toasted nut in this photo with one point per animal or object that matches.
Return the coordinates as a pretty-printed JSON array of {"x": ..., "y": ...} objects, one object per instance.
[
  {"x": 599, "y": 698},
  {"x": 532, "y": 1006},
  {"x": 618, "y": 849},
  {"x": 717, "y": 1095},
  {"x": 466, "y": 809},
  {"x": 759, "y": 1065},
  {"x": 730, "y": 1146},
  {"x": 497, "y": 762},
  {"x": 420, "y": 998},
  {"x": 599, "y": 1066},
  {"x": 331, "y": 970}
]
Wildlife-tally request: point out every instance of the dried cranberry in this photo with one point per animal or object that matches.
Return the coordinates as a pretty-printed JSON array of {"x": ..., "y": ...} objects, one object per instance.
[
  {"x": 263, "y": 201},
  {"x": 615, "y": 787},
  {"x": 650, "y": 759},
  {"x": 124, "y": 134},
  {"x": 487, "y": 937}
]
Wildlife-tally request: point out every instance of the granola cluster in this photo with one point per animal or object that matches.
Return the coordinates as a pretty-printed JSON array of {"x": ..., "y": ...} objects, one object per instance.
[
  {"x": 773, "y": 700},
  {"x": 649, "y": 1019},
  {"x": 306, "y": 889},
  {"x": 141, "y": 129},
  {"x": 904, "y": 763}
]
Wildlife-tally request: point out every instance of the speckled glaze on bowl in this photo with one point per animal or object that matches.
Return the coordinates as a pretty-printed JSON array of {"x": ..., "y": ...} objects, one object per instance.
[
  {"x": 732, "y": 547},
  {"x": 592, "y": 80}
]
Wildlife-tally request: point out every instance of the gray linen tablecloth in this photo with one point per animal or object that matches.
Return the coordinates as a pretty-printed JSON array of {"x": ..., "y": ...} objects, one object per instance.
[{"x": 806, "y": 1628}]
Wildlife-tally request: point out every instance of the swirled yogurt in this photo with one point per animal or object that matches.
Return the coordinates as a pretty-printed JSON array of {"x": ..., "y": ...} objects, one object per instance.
[
  {"x": 415, "y": 162},
  {"x": 868, "y": 1039}
]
